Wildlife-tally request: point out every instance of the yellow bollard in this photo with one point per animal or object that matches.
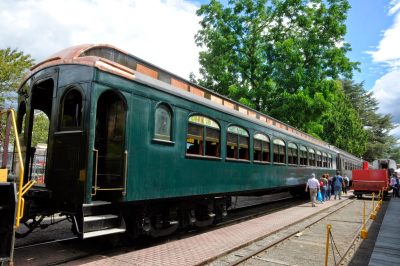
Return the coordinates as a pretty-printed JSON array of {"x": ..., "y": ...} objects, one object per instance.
[
  {"x": 378, "y": 205},
  {"x": 328, "y": 230},
  {"x": 373, "y": 212},
  {"x": 364, "y": 232}
]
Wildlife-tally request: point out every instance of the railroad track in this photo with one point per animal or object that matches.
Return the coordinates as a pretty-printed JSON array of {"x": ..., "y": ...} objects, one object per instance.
[
  {"x": 304, "y": 243},
  {"x": 70, "y": 249}
]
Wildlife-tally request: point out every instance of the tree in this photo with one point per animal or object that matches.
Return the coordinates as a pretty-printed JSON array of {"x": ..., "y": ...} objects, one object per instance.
[
  {"x": 279, "y": 57},
  {"x": 380, "y": 143},
  {"x": 13, "y": 66},
  {"x": 342, "y": 124},
  {"x": 40, "y": 129}
]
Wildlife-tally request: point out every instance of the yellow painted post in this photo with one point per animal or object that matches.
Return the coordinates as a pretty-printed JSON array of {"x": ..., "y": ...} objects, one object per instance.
[
  {"x": 328, "y": 230},
  {"x": 378, "y": 206},
  {"x": 364, "y": 232},
  {"x": 3, "y": 175},
  {"x": 373, "y": 212}
]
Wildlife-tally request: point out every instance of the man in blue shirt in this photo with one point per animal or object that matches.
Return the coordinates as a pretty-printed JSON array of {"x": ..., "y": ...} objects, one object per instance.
[{"x": 338, "y": 184}]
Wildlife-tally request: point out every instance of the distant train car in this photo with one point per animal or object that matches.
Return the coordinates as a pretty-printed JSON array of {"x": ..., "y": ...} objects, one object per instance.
[
  {"x": 132, "y": 147},
  {"x": 346, "y": 163},
  {"x": 372, "y": 180}
]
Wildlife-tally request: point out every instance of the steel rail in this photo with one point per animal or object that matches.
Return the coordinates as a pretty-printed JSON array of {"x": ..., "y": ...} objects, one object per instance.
[{"x": 258, "y": 251}]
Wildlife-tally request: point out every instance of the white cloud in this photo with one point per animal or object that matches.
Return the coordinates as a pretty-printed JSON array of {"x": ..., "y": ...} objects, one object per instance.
[
  {"x": 388, "y": 49},
  {"x": 387, "y": 88},
  {"x": 387, "y": 92},
  {"x": 159, "y": 31}
]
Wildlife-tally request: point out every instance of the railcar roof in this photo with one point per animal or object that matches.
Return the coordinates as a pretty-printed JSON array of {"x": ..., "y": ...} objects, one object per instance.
[{"x": 114, "y": 60}]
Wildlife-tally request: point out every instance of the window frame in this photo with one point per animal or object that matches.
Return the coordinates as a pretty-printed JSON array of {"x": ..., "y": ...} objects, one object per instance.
[
  {"x": 311, "y": 157},
  {"x": 318, "y": 158},
  {"x": 280, "y": 148},
  {"x": 267, "y": 143},
  {"x": 62, "y": 105},
  {"x": 324, "y": 160},
  {"x": 171, "y": 130},
  {"x": 290, "y": 154},
  {"x": 239, "y": 135},
  {"x": 204, "y": 136},
  {"x": 303, "y": 155}
]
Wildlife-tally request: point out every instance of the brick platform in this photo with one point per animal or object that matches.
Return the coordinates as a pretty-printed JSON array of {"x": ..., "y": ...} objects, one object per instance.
[{"x": 204, "y": 247}]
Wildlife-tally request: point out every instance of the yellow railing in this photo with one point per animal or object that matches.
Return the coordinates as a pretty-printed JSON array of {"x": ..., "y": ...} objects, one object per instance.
[{"x": 22, "y": 189}]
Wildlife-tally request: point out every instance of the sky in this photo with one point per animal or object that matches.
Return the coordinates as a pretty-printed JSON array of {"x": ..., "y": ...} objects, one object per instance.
[{"x": 162, "y": 32}]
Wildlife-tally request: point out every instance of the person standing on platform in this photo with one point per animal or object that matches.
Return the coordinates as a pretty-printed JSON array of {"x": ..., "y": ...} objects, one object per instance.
[
  {"x": 329, "y": 190},
  {"x": 393, "y": 184},
  {"x": 313, "y": 186},
  {"x": 323, "y": 183},
  {"x": 346, "y": 182},
  {"x": 338, "y": 184}
]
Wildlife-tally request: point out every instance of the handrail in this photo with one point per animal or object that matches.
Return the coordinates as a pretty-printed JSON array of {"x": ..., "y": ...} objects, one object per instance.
[
  {"x": 125, "y": 171},
  {"x": 95, "y": 171},
  {"x": 21, "y": 188}
]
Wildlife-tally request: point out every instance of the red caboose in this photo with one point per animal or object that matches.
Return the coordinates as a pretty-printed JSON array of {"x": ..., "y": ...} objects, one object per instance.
[{"x": 375, "y": 179}]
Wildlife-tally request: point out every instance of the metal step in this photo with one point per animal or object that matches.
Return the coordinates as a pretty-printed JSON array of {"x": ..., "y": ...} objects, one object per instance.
[
  {"x": 103, "y": 232},
  {"x": 96, "y": 208},
  {"x": 99, "y": 217},
  {"x": 96, "y": 203}
]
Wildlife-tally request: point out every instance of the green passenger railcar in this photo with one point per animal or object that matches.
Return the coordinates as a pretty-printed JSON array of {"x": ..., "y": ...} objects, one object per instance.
[{"x": 133, "y": 146}]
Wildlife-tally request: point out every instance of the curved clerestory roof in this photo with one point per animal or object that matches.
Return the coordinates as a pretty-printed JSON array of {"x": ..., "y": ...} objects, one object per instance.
[{"x": 114, "y": 60}]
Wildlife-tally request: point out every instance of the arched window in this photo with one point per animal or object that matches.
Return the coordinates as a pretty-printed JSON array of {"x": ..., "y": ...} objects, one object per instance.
[
  {"x": 324, "y": 160},
  {"x": 292, "y": 153},
  {"x": 71, "y": 109},
  {"x": 261, "y": 148},
  {"x": 330, "y": 161},
  {"x": 237, "y": 143},
  {"x": 303, "y": 155},
  {"x": 319, "y": 158},
  {"x": 311, "y": 157},
  {"x": 279, "y": 151},
  {"x": 203, "y": 137},
  {"x": 162, "y": 123}
]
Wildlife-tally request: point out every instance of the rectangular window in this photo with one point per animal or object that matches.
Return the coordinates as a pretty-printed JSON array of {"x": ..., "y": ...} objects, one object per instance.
[
  {"x": 212, "y": 142},
  {"x": 244, "y": 148},
  {"x": 292, "y": 156},
  {"x": 231, "y": 146},
  {"x": 194, "y": 139},
  {"x": 257, "y": 150},
  {"x": 266, "y": 154},
  {"x": 279, "y": 154}
]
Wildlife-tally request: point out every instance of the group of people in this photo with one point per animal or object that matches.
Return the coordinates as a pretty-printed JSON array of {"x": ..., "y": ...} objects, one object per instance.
[
  {"x": 394, "y": 183},
  {"x": 327, "y": 187}
]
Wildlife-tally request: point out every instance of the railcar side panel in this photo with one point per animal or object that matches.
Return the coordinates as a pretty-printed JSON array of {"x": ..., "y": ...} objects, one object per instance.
[{"x": 163, "y": 170}]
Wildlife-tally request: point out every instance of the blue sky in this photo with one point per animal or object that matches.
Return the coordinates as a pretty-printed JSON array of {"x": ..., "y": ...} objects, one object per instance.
[
  {"x": 366, "y": 22},
  {"x": 162, "y": 32}
]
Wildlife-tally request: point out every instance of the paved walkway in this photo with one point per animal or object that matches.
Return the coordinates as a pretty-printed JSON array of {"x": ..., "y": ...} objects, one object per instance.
[
  {"x": 387, "y": 247},
  {"x": 207, "y": 246}
]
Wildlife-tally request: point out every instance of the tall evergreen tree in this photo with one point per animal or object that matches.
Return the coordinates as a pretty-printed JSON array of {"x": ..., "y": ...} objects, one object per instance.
[{"x": 380, "y": 143}]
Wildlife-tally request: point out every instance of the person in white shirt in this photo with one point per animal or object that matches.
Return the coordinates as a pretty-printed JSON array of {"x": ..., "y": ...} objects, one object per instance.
[
  {"x": 313, "y": 186},
  {"x": 393, "y": 184}
]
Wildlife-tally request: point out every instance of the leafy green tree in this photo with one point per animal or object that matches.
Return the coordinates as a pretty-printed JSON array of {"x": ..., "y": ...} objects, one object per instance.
[
  {"x": 40, "y": 129},
  {"x": 342, "y": 124},
  {"x": 13, "y": 66},
  {"x": 279, "y": 57}
]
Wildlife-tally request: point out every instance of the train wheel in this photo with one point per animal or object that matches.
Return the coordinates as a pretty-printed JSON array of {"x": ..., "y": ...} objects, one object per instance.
[{"x": 359, "y": 196}]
